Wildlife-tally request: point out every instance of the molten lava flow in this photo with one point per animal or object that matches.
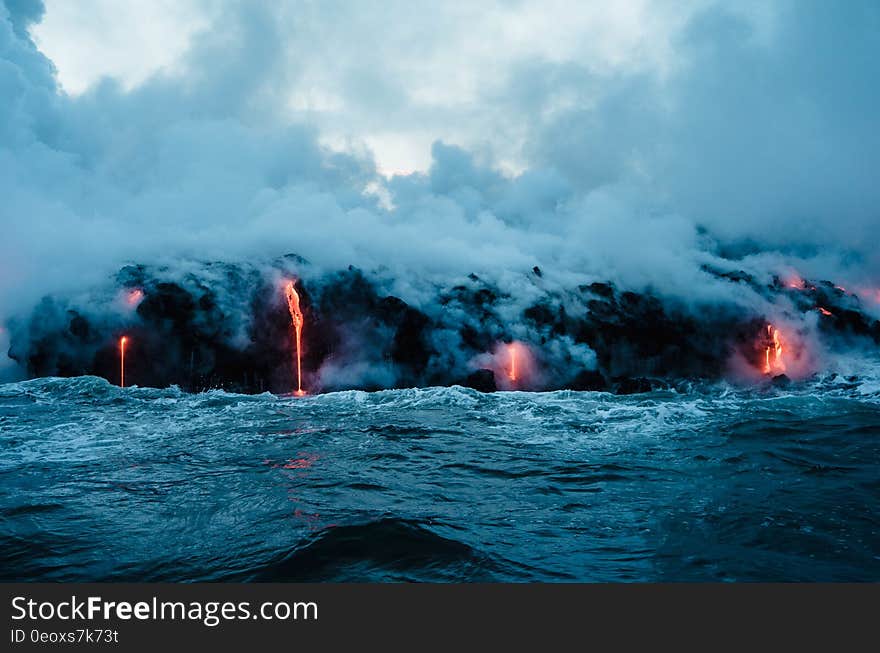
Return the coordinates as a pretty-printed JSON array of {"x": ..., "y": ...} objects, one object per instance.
[
  {"x": 796, "y": 282},
  {"x": 134, "y": 297},
  {"x": 514, "y": 366},
  {"x": 511, "y": 373},
  {"x": 122, "y": 342},
  {"x": 773, "y": 363},
  {"x": 296, "y": 317}
]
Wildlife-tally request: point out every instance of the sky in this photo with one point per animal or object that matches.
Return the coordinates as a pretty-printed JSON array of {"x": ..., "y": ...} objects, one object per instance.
[
  {"x": 632, "y": 141},
  {"x": 395, "y": 76}
]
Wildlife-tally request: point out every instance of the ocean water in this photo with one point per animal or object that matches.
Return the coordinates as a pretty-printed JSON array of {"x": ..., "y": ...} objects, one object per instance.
[{"x": 440, "y": 484}]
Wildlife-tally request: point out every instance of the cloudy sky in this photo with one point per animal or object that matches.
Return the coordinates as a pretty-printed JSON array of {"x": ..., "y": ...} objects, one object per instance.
[
  {"x": 634, "y": 140},
  {"x": 393, "y": 76}
]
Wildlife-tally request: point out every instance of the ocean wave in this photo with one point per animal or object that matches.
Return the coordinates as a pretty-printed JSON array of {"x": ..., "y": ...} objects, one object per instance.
[{"x": 388, "y": 549}]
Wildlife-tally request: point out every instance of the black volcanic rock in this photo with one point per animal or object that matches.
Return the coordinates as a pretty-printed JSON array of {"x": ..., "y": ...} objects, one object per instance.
[
  {"x": 588, "y": 380},
  {"x": 638, "y": 385},
  {"x": 409, "y": 346},
  {"x": 478, "y": 294},
  {"x": 855, "y": 322},
  {"x": 540, "y": 314},
  {"x": 169, "y": 306},
  {"x": 736, "y": 276},
  {"x": 482, "y": 380},
  {"x": 638, "y": 335},
  {"x": 781, "y": 381},
  {"x": 349, "y": 295},
  {"x": 601, "y": 289},
  {"x": 391, "y": 309},
  {"x": 228, "y": 326}
]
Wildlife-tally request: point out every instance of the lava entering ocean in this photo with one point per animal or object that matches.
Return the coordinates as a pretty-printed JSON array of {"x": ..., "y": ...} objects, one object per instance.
[
  {"x": 296, "y": 318},
  {"x": 122, "y": 342},
  {"x": 512, "y": 364},
  {"x": 773, "y": 362},
  {"x": 511, "y": 374}
]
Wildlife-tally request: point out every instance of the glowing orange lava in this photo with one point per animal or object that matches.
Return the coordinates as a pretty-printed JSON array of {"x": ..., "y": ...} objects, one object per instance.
[
  {"x": 796, "y": 282},
  {"x": 296, "y": 317},
  {"x": 511, "y": 373},
  {"x": 514, "y": 366},
  {"x": 824, "y": 311},
  {"x": 773, "y": 363},
  {"x": 134, "y": 297},
  {"x": 122, "y": 342}
]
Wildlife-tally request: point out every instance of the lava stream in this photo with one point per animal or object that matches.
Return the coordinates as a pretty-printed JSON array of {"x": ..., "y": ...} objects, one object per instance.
[
  {"x": 296, "y": 317},
  {"x": 773, "y": 363},
  {"x": 134, "y": 296},
  {"x": 122, "y": 342},
  {"x": 511, "y": 374}
]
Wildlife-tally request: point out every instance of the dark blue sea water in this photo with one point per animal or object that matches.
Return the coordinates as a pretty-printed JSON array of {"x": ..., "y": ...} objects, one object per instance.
[{"x": 441, "y": 484}]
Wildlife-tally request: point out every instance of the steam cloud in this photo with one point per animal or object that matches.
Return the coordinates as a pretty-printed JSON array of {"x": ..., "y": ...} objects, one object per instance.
[{"x": 756, "y": 154}]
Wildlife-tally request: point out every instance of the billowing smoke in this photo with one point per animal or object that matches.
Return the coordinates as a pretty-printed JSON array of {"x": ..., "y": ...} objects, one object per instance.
[{"x": 651, "y": 232}]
